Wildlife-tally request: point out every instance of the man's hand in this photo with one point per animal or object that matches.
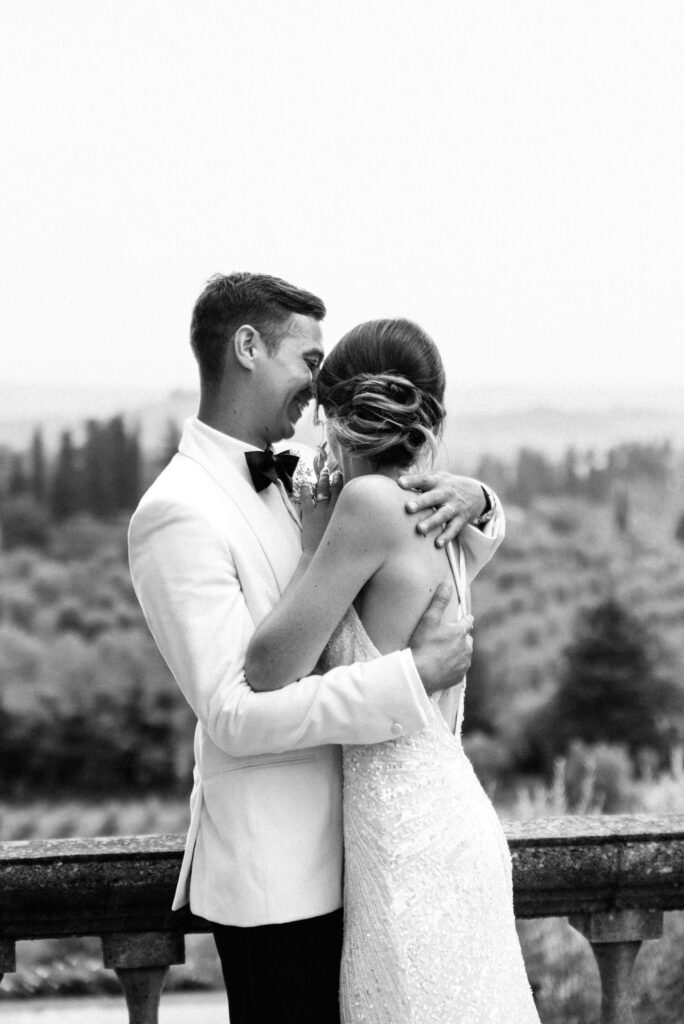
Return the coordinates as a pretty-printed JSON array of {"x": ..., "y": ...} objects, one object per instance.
[
  {"x": 442, "y": 647},
  {"x": 454, "y": 501}
]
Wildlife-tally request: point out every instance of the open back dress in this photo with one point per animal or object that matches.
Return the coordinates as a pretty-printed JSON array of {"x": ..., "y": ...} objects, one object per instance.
[{"x": 429, "y": 928}]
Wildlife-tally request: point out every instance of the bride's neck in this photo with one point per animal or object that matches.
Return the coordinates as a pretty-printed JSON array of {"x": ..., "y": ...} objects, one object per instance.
[{"x": 353, "y": 466}]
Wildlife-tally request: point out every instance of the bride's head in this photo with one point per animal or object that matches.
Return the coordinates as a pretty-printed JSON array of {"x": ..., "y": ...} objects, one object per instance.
[{"x": 382, "y": 389}]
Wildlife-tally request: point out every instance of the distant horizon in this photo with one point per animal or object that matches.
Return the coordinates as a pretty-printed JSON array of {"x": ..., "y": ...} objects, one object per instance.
[
  {"x": 490, "y": 420},
  {"x": 568, "y": 397}
]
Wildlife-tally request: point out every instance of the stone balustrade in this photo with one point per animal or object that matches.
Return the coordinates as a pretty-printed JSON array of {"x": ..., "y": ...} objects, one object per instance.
[{"x": 612, "y": 876}]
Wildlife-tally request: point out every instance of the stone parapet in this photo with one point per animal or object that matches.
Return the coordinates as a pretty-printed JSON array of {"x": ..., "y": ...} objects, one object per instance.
[{"x": 613, "y": 876}]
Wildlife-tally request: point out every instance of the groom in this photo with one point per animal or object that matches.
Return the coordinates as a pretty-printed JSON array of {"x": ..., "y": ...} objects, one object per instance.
[{"x": 213, "y": 544}]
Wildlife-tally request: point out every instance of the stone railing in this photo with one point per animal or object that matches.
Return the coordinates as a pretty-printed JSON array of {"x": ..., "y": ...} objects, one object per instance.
[{"x": 612, "y": 876}]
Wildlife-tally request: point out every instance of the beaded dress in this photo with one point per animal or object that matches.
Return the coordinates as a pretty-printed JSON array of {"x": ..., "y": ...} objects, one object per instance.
[{"x": 429, "y": 929}]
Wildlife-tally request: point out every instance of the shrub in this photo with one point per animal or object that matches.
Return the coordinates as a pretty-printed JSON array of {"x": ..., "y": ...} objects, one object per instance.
[
  {"x": 489, "y": 757},
  {"x": 72, "y": 617},
  {"x": 24, "y": 523},
  {"x": 599, "y": 777},
  {"x": 18, "y": 605},
  {"x": 511, "y": 579},
  {"x": 679, "y": 529},
  {"x": 21, "y": 656},
  {"x": 83, "y": 537},
  {"x": 563, "y": 522},
  {"x": 49, "y": 582},
  {"x": 106, "y": 717}
]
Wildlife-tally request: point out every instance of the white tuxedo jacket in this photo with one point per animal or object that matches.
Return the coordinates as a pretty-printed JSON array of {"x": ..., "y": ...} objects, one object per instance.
[{"x": 208, "y": 561}]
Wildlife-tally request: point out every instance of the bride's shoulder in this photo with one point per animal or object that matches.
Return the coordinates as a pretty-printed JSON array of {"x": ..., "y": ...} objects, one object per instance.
[{"x": 375, "y": 500}]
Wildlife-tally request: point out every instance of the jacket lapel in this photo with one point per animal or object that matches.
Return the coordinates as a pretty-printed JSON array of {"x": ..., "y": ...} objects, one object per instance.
[{"x": 281, "y": 552}]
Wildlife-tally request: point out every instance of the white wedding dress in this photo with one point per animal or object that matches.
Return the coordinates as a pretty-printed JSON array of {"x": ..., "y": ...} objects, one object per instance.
[{"x": 429, "y": 930}]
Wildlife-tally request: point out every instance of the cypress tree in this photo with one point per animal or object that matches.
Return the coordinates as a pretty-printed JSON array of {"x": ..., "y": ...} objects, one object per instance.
[
  {"x": 65, "y": 493},
  {"x": 133, "y": 461},
  {"x": 117, "y": 481},
  {"x": 18, "y": 480},
  {"x": 97, "y": 485},
  {"x": 38, "y": 472},
  {"x": 611, "y": 689}
]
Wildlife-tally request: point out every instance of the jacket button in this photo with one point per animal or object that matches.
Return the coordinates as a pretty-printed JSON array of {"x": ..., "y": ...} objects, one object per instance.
[{"x": 397, "y": 729}]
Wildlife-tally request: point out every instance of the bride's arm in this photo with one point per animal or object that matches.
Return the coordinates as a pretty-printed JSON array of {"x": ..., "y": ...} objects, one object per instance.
[{"x": 289, "y": 641}]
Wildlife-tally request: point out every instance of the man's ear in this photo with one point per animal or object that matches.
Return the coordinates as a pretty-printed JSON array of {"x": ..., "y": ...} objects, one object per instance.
[{"x": 246, "y": 342}]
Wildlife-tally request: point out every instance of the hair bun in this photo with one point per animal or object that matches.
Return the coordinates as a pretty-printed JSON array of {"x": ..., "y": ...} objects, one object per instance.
[
  {"x": 382, "y": 388},
  {"x": 393, "y": 387},
  {"x": 382, "y": 416}
]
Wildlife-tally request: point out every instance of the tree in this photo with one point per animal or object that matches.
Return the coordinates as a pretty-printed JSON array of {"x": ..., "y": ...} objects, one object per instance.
[
  {"x": 621, "y": 509},
  {"x": 65, "y": 495},
  {"x": 597, "y": 479},
  {"x": 611, "y": 688},
  {"x": 494, "y": 471},
  {"x": 97, "y": 482},
  {"x": 111, "y": 468},
  {"x": 38, "y": 472},
  {"x": 118, "y": 465},
  {"x": 133, "y": 459},
  {"x": 535, "y": 475},
  {"x": 570, "y": 479},
  {"x": 18, "y": 483}
]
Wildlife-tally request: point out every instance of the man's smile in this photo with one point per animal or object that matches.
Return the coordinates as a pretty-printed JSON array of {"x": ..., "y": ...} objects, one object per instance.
[{"x": 301, "y": 401}]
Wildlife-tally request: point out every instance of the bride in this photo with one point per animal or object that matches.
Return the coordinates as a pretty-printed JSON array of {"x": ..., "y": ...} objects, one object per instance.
[{"x": 429, "y": 930}]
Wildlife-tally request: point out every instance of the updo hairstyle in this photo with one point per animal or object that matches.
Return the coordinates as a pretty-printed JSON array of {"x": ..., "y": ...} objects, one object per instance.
[{"x": 382, "y": 389}]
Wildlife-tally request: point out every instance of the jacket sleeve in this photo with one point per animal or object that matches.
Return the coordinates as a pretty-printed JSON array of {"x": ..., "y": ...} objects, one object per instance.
[
  {"x": 196, "y": 610},
  {"x": 480, "y": 544}
]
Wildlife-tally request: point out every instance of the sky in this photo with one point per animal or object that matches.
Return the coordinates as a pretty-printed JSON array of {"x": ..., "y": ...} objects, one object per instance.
[{"x": 508, "y": 174}]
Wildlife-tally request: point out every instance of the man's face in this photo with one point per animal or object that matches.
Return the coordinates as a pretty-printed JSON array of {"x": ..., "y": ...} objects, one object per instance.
[{"x": 285, "y": 377}]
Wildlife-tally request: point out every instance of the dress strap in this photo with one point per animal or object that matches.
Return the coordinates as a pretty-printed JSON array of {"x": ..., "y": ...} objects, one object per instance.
[{"x": 457, "y": 563}]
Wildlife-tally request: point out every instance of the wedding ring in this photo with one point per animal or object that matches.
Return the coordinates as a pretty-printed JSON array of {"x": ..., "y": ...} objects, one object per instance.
[{"x": 322, "y": 497}]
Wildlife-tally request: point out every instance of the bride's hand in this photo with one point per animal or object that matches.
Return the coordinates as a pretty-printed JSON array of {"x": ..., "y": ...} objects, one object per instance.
[{"x": 316, "y": 513}]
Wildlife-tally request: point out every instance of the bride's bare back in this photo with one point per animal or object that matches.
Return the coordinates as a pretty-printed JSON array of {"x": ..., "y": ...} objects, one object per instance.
[{"x": 392, "y": 601}]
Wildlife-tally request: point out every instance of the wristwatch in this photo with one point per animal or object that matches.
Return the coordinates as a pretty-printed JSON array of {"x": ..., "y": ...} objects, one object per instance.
[{"x": 490, "y": 508}]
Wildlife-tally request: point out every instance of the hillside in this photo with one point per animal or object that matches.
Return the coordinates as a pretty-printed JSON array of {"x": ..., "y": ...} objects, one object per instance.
[{"x": 497, "y": 421}]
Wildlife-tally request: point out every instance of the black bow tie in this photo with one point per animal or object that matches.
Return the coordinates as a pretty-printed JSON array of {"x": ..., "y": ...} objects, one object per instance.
[{"x": 266, "y": 468}]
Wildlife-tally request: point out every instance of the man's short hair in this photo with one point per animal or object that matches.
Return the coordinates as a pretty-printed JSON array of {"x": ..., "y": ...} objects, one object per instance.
[{"x": 231, "y": 300}]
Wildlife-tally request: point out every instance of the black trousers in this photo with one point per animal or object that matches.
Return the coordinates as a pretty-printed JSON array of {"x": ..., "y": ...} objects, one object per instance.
[{"x": 282, "y": 973}]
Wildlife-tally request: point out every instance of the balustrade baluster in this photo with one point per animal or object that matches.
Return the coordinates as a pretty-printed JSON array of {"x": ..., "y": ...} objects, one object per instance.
[
  {"x": 7, "y": 957},
  {"x": 141, "y": 961},
  {"x": 616, "y": 938}
]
